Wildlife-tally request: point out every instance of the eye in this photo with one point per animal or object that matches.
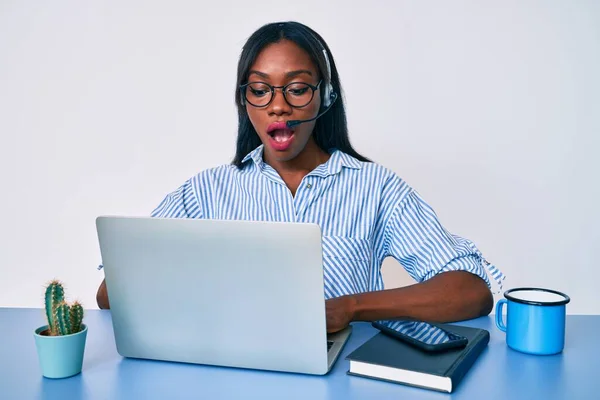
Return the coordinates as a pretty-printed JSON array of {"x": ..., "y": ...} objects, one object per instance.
[
  {"x": 298, "y": 89},
  {"x": 298, "y": 92},
  {"x": 259, "y": 89}
]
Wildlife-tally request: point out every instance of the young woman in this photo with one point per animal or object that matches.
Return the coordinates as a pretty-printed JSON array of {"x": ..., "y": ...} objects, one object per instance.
[{"x": 307, "y": 171}]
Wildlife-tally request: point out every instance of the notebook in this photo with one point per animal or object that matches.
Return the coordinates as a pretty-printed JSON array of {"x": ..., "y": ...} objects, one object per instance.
[{"x": 389, "y": 359}]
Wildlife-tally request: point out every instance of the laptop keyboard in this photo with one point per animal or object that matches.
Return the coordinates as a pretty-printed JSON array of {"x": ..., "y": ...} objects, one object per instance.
[{"x": 329, "y": 344}]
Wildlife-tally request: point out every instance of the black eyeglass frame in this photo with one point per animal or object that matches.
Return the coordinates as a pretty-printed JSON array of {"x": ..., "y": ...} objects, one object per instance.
[{"x": 314, "y": 88}]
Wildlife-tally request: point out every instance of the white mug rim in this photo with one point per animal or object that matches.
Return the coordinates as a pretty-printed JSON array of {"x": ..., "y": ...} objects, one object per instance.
[{"x": 565, "y": 299}]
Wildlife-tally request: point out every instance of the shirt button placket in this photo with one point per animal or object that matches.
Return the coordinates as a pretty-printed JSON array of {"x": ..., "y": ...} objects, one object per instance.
[{"x": 304, "y": 196}]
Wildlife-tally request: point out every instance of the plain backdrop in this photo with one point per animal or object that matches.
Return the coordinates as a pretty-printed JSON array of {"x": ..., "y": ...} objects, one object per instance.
[{"x": 491, "y": 110}]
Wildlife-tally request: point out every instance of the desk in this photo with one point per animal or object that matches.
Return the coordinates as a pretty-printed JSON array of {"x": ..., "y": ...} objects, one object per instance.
[{"x": 500, "y": 373}]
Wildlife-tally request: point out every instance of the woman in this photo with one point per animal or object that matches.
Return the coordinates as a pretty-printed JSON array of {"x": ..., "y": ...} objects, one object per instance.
[{"x": 309, "y": 172}]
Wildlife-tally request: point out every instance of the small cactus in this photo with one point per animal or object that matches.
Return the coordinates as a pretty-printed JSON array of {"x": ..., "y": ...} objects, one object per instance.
[
  {"x": 54, "y": 295},
  {"x": 63, "y": 319},
  {"x": 76, "y": 316}
]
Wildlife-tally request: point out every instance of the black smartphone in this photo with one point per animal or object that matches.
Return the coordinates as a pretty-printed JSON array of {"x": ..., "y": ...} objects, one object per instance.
[{"x": 424, "y": 335}]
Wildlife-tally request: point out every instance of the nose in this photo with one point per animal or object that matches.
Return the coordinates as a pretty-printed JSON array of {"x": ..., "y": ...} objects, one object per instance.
[{"x": 279, "y": 105}]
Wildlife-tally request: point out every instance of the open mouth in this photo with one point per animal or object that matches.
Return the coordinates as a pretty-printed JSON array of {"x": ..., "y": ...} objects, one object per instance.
[{"x": 281, "y": 135}]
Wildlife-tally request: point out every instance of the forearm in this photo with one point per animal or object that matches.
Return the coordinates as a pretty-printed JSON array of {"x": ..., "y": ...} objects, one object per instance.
[
  {"x": 448, "y": 297},
  {"x": 102, "y": 296}
]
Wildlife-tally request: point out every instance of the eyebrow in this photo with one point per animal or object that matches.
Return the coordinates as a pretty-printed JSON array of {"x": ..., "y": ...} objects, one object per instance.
[{"x": 290, "y": 74}]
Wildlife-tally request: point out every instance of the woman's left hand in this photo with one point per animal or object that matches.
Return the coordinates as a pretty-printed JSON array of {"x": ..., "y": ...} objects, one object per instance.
[{"x": 340, "y": 312}]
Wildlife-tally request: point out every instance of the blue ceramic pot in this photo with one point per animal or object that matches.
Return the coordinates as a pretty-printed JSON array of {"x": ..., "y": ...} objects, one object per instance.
[{"x": 60, "y": 356}]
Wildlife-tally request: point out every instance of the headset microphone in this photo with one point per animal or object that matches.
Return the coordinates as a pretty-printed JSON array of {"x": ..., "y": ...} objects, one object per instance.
[{"x": 295, "y": 122}]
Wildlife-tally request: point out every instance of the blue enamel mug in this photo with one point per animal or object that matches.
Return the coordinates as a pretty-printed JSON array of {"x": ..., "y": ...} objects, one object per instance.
[{"x": 535, "y": 320}]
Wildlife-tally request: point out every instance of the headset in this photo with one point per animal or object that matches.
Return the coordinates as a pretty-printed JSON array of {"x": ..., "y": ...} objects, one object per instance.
[{"x": 329, "y": 95}]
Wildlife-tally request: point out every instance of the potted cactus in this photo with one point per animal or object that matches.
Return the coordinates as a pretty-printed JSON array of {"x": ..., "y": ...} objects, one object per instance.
[{"x": 60, "y": 344}]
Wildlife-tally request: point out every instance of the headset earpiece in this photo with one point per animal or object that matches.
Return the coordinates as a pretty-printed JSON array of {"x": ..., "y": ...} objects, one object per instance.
[{"x": 328, "y": 93}]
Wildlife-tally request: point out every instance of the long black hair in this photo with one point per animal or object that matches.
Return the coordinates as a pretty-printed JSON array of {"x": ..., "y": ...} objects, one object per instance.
[{"x": 331, "y": 129}]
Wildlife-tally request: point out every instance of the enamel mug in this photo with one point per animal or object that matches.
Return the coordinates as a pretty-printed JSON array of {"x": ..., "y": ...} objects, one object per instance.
[{"x": 535, "y": 320}]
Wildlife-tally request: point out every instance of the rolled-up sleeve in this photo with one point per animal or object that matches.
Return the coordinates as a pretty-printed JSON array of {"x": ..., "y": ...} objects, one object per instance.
[
  {"x": 181, "y": 203},
  {"x": 415, "y": 237}
]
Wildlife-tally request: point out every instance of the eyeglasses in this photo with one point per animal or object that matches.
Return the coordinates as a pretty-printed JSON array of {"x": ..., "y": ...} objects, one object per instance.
[{"x": 296, "y": 94}]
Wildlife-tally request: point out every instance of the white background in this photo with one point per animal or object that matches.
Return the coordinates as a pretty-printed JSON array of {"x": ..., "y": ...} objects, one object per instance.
[{"x": 491, "y": 111}]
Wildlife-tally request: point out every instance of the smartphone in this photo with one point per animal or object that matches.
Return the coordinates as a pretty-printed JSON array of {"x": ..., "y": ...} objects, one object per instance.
[{"x": 423, "y": 335}]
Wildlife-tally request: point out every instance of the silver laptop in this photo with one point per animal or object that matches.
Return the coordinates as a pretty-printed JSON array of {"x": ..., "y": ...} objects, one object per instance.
[{"x": 217, "y": 292}]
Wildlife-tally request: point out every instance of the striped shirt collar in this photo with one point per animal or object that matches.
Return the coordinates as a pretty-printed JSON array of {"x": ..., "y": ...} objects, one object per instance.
[{"x": 334, "y": 165}]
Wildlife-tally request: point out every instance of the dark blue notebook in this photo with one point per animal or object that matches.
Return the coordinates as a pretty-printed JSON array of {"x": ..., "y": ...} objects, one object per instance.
[{"x": 389, "y": 359}]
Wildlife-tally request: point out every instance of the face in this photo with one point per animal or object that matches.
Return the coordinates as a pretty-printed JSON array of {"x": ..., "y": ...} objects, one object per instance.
[{"x": 280, "y": 64}]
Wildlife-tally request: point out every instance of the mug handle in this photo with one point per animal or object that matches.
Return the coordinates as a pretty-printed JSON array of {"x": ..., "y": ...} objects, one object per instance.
[{"x": 499, "y": 307}]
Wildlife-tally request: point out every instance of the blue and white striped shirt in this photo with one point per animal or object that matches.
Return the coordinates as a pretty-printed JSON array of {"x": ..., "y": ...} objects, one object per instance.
[{"x": 365, "y": 211}]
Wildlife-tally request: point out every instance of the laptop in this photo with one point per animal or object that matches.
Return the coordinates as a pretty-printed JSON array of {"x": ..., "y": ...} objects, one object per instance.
[{"x": 242, "y": 294}]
